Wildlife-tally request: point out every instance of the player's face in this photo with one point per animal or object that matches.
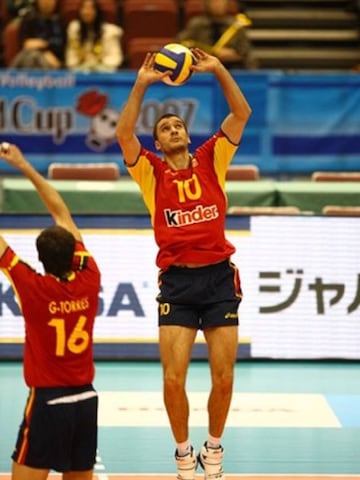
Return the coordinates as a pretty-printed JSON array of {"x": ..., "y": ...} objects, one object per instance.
[{"x": 171, "y": 135}]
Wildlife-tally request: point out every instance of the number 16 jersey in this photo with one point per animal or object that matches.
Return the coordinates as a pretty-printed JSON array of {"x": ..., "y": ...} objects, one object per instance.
[{"x": 59, "y": 319}]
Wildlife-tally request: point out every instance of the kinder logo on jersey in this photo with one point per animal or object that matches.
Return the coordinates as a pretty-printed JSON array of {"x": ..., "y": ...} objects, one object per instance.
[{"x": 179, "y": 218}]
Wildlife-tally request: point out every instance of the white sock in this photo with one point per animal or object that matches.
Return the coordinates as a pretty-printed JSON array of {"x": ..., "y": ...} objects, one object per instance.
[
  {"x": 183, "y": 448},
  {"x": 213, "y": 442}
]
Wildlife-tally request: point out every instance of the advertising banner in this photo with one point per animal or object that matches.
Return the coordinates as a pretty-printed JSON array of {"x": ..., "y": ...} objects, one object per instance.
[
  {"x": 299, "y": 123},
  {"x": 300, "y": 279},
  {"x": 69, "y": 117}
]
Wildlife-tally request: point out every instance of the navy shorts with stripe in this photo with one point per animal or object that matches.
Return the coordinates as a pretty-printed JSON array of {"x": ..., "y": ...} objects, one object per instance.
[
  {"x": 199, "y": 297},
  {"x": 59, "y": 429}
]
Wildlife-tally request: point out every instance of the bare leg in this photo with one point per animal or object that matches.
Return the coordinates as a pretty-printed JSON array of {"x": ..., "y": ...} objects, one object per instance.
[
  {"x": 23, "y": 472},
  {"x": 222, "y": 344},
  {"x": 84, "y": 475},
  {"x": 175, "y": 351}
]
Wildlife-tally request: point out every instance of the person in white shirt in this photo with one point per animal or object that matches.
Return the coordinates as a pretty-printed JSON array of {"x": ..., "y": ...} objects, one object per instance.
[{"x": 93, "y": 45}]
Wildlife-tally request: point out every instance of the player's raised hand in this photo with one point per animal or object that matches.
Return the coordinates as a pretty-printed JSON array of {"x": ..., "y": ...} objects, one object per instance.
[
  {"x": 204, "y": 61},
  {"x": 147, "y": 72},
  {"x": 12, "y": 154}
]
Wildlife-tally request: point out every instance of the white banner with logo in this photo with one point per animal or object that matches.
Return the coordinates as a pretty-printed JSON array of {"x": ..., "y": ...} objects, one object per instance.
[{"x": 300, "y": 278}]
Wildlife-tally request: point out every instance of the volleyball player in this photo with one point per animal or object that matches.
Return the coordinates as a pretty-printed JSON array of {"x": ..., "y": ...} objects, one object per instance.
[
  {"x": 199, "y": 285},
  {"x": 59, "y": 426}
]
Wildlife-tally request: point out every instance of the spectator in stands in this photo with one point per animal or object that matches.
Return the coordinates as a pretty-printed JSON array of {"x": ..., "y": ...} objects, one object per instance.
[
  {"x": 42, "y": 37},
  {"x": 93, "y": 45},
  {"x": 221, "y": 34},
  {"x": 18, "y": 8}
]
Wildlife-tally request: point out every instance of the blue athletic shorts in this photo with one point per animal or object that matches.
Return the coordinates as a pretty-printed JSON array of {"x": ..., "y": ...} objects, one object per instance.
[
  {"x": 199, "y": 297},
  {"x": 59, "y": 429}
]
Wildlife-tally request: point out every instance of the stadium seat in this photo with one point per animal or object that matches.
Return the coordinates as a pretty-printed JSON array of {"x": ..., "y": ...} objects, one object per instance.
[
  {"x": 341, "y": 211},
  {"x": 83, "y": 171},
  {"x": 11, "y": 40},
  {"x": 149, "y": 18},
  {"x": 242, "y": 172},
  {"x": 138, "y": 47},
  {"x": 335, "y": 177},
  {"x": 4, "y": 14}
]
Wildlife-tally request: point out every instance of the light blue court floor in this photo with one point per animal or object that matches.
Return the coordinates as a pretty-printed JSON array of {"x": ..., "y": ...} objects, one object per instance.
[{"x": 286, "y": 418}]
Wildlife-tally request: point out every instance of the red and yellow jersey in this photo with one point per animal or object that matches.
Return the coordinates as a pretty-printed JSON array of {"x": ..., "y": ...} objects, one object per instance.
[
  {"x": 188, "y": 207},
  {"x": 59, "y": 319}
]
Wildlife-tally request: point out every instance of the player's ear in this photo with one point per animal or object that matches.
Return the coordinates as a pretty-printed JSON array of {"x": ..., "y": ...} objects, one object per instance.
[{"x": 157, "y": 145}]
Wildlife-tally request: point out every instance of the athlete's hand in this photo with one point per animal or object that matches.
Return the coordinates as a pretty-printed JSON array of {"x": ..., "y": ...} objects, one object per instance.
[
  {"x": 12, "y": 154},
  {"x": 204, "y": 61},
  {"x": 147, "y": 72}
]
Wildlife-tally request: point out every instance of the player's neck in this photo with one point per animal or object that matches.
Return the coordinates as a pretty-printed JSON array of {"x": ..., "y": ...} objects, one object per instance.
[{"x": 178, "y": 161}]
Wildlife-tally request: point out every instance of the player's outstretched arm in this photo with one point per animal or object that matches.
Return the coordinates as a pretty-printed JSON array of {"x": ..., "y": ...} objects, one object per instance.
[
  {"x": 126, "y": 125},
  {"x": 47, "y": 193},
  {"x": 240, "y": 111}
]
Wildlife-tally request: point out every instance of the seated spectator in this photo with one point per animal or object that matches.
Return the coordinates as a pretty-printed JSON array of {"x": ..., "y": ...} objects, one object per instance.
[
  {"x": 42, "y": 38},
  {"x": 18, "y": 8},
  {"x": 221, "y": 34},
  {"x": 93, "y": 45}
]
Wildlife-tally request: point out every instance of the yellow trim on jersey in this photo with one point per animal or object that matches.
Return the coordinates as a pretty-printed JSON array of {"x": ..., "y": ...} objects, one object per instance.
[
  {"x": 143, "y": 173},
  {"x": 223, "y": 153}
]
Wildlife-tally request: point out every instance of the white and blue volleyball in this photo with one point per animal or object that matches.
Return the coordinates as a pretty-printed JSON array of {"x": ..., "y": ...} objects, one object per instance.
[{"x": 178, "y": 59}]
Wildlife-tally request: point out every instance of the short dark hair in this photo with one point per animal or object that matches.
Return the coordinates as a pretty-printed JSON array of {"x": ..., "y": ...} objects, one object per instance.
[
  {"x": 56, "y": 246},
  {"x": 166, "y": 115}
]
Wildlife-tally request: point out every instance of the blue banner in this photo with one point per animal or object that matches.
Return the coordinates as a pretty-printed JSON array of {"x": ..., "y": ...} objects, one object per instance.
[{"x": 300, "y": 123}]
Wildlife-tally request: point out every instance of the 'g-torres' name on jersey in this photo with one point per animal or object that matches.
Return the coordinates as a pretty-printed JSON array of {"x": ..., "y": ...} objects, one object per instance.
[{"x": 180, "y": 218}]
